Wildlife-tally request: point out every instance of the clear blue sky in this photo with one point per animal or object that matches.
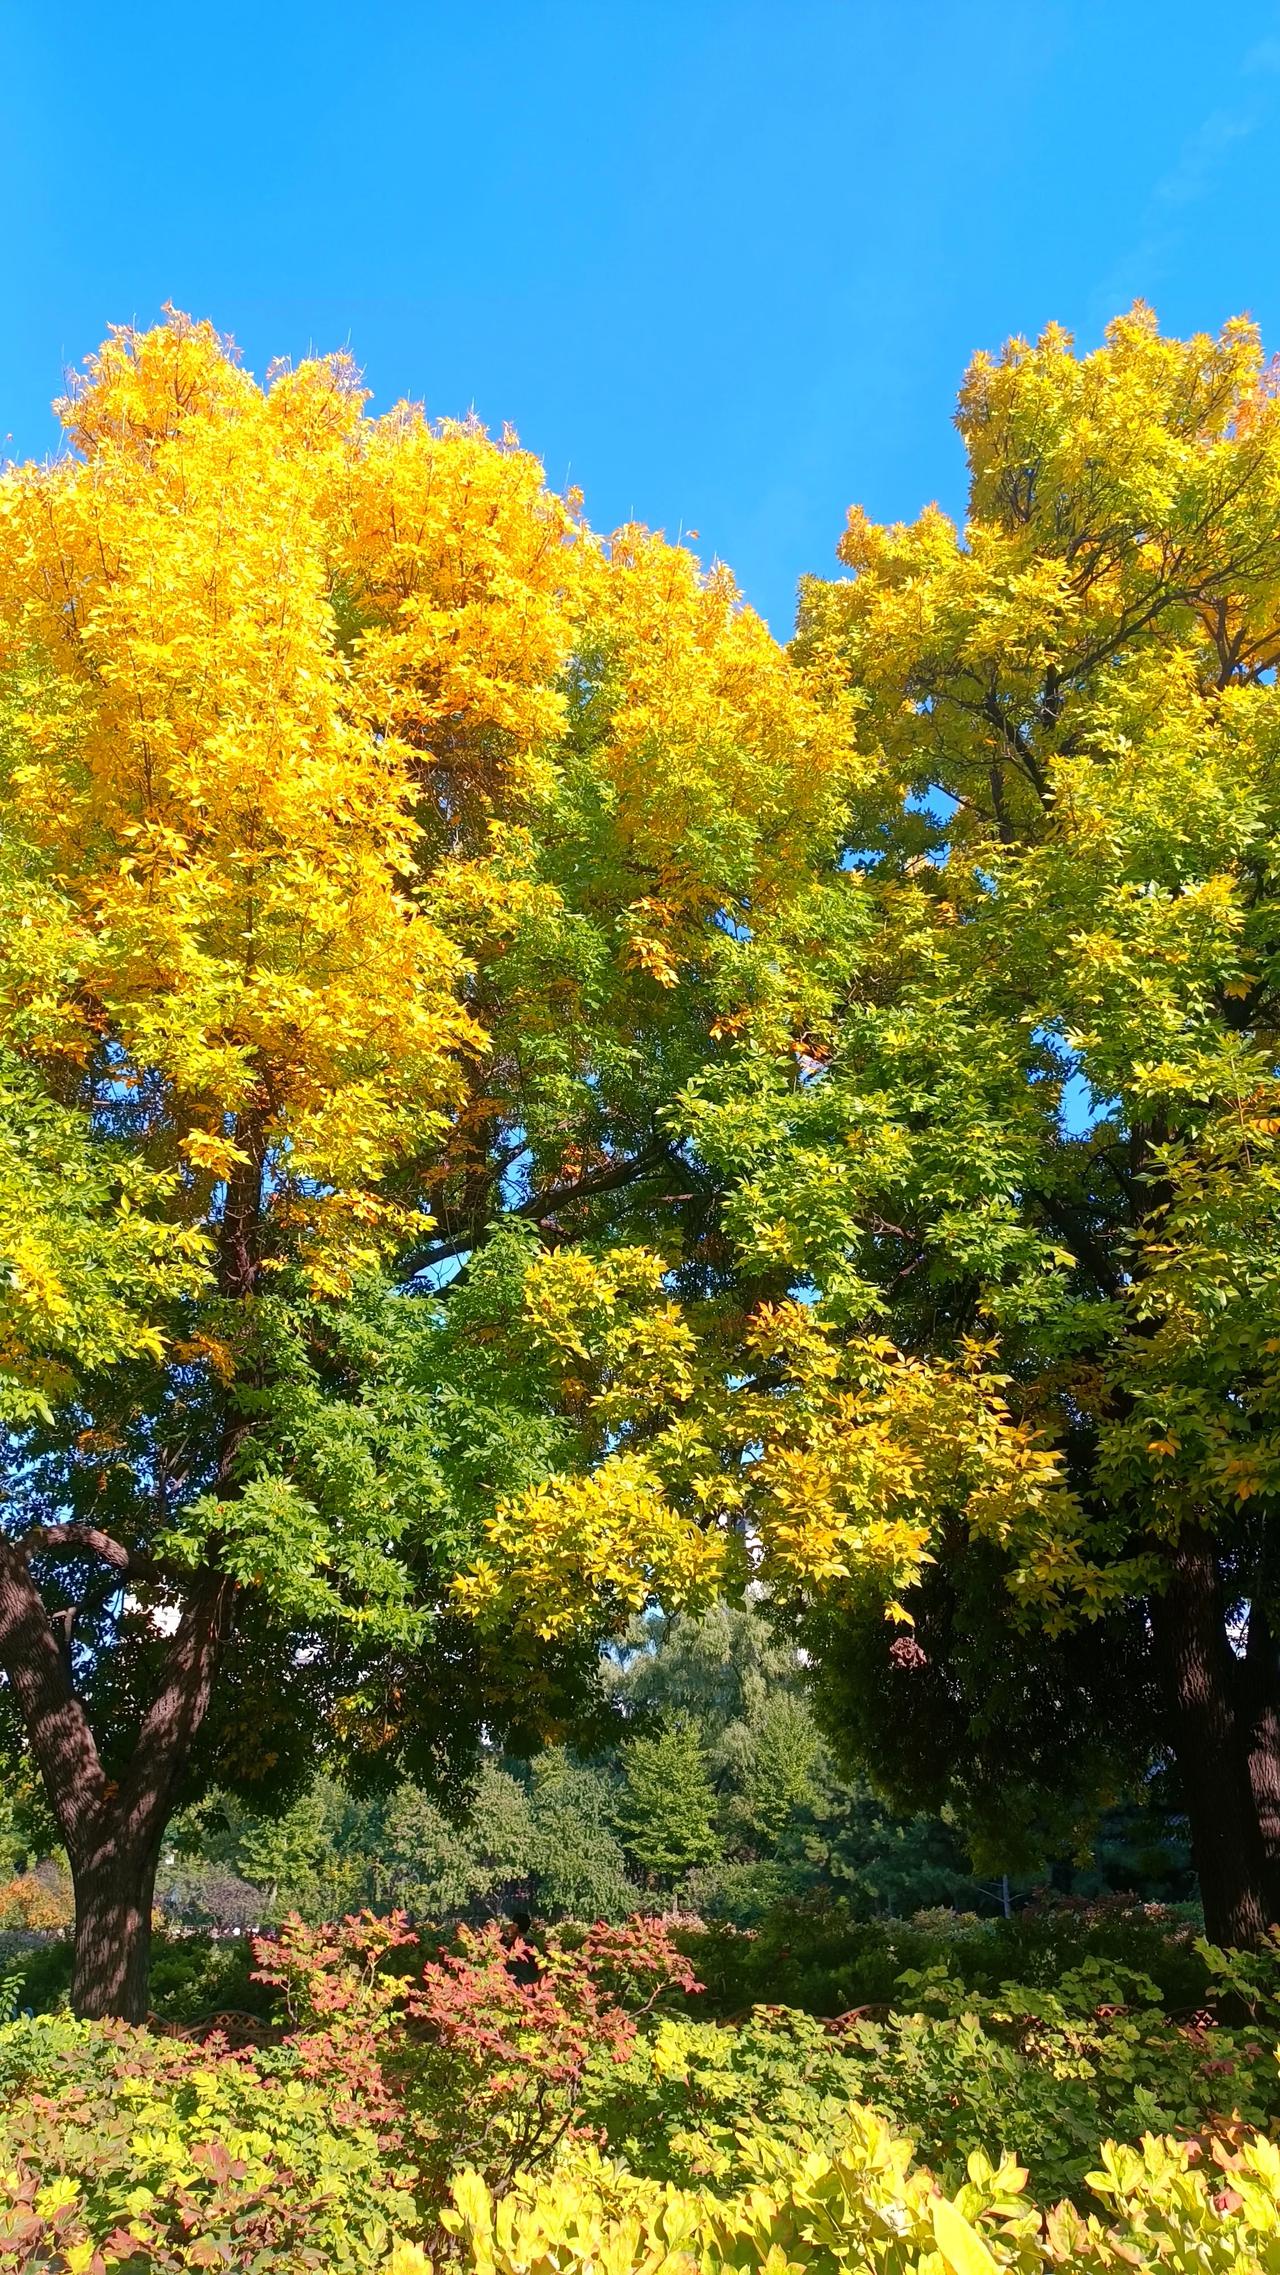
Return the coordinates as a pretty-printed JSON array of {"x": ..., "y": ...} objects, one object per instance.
[{"x": 722, "y": 262}]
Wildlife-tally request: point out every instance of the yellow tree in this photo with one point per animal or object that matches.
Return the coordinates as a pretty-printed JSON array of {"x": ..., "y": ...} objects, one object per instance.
[
  {"x": 1003, "y": 1111},
  {"x": 1055, "y": 1108},
  {"x": 374, "y": 837}
]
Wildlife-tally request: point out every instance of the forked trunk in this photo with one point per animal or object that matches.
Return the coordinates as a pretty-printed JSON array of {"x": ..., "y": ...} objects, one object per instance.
[
  {"x": 112, "y": 1827},
  {"x": 113, "y": 1935},
  {"x": 1201, "y": 1679}
]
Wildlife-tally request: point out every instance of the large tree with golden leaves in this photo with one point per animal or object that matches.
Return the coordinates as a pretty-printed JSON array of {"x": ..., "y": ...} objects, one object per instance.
[
  {"x": 516, "y": 1095},
  {"x": 1046, "y": 1116},
  {"x": 371, "y": 834}
]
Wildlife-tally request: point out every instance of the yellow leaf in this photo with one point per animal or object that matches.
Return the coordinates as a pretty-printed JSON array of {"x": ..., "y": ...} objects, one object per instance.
[{"x": 961, "y": 2247}]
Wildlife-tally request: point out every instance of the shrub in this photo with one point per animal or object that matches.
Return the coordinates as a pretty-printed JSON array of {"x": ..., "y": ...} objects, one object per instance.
[
  {"x": 817, "y": 1955},
  {"x": 481, "y": 2057},
  {"x": 40, "y": 1902},
  {"x": 1180, "y": 2206},
  {"x": 1041, "y": 2074},
  {"x": 116, "y": 2146},
  {"x": 1048, "y": 2073},
  {"x": 196, "y": 1976},
  {"x": 35, "y": 1971},
  {"x": 193, "y": 1977},
  {"x": 495, "y": 2076}
]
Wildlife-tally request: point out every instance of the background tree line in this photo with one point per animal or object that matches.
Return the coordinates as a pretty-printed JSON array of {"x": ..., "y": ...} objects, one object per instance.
[{"x": 717, "y": 1793}]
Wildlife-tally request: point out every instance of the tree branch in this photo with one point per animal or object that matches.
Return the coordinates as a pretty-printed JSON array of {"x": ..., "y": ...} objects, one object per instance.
[
  {"x": 540, "y": 1205},
  {"x": 1071, "y": 1225},
  {"x": 62, "y": 1541},
  {"x": 57, "y": 1726}
]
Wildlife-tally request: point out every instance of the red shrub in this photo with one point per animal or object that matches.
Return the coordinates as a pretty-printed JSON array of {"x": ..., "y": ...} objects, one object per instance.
[{"x": 479, "y": 2058}]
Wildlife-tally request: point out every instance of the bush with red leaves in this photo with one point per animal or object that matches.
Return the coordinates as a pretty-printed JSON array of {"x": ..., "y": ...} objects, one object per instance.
[{"x": 479, "y": 2058}]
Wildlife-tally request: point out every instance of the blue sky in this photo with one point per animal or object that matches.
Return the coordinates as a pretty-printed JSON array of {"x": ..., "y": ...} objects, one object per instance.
[{"x": 721, "y": 263}]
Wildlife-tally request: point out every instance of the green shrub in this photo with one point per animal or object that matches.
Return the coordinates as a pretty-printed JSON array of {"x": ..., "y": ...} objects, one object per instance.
[
  {"x": 195, "y": 1976},
  {"x": 36, "y": 1976},
  {"x": 149, "y": 2151},
  {"x": 1040, "y": 2074},
  {"x": 819, "y": 1956}
]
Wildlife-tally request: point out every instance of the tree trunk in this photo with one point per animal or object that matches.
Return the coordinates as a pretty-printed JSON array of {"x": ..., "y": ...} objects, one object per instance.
[
  {"x": 1200, "y": 1677},
  {"x": 113, "y": 1934},
  {"x": 112, "y": 1828},
  {"x": 1261, "y": 1714}
]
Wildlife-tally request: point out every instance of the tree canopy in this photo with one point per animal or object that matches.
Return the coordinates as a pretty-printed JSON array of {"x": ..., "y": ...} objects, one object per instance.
[
  {"x": 368, "y": 832},
  {"x": 520, "y": 1097},
  {"x": 1001, "y": 1189}
]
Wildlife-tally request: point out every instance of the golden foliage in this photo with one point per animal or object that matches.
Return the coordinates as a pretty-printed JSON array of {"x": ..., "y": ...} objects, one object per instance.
[{"x": 283, "y": 699}]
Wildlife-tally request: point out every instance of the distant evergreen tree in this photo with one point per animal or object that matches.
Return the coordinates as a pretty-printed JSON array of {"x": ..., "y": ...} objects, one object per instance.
[
  {"x": 720, "y": 1784},
  {"x": 437, "y": 1867},
  {"x": 667, "y": 1812},
  {"x": 579, "y": 1860}
]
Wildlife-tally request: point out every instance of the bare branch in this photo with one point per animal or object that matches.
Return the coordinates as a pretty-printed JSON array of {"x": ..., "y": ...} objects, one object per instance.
[
  {"x": 542, "y": 1205},
  {"x": 60, "y": 1542}
]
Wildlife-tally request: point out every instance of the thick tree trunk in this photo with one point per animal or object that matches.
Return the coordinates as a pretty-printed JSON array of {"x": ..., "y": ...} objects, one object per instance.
[
  {"x": 112, "y": 1828},
  {"x": 112, "y": 1967},
  {"x": 115, "y": 1848},
  {"x": 1201, "y": 1680},
  {"x": 1261, "y": 1715}
]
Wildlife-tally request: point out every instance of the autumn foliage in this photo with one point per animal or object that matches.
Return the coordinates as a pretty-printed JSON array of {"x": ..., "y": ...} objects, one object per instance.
[
  {"x": 479, "y": 2056},
  {"x": 521, "y": 1098},
  {"x": 368, "y": 829}
]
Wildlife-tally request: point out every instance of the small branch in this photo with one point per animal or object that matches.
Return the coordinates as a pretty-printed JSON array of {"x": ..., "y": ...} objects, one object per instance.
[
  {"x": 583, "y": 1188},
  {"x": 91, "y": 1602},
  {"x": 541, "y": 1205}
]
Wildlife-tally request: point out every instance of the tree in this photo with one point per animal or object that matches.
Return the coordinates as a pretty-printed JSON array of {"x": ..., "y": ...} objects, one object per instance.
[
  {"x": 790, "y": 1823},
  {"x": 1019, "y": 1738},
  {"x": 240, "y": 1869},
  {"x": 581, "y": 1870},
  {"x": 432, "y": 1867},
  {"x": 775, "y": 1759},
  {"x": 668, "y": 1805},
  {"x": 541, "y": 1838},
  {"x": 1050, "y": 1114},
  {"x": 369, "y": 831},
  {"x": 726, "y": 1671},
  {"x": 994, "y": 1153}
]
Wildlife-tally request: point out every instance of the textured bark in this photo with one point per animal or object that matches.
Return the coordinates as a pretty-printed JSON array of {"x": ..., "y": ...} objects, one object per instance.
[
  {"x": 113, "y": 1935},
  {"x": 1201, "y": 1682},
  {"x": 57, "y": 1727},
  {"x": 1261, "y": 1717},
  {"x": 114, "y": 1873},
  {"x": 112, "y": 1830}
]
